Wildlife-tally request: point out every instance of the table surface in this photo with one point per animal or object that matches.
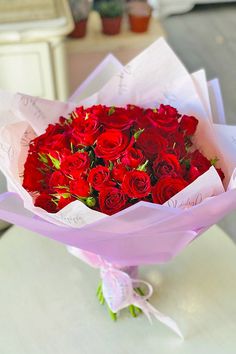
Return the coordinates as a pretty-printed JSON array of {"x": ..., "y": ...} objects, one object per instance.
[{"x": 48, "y": 303}]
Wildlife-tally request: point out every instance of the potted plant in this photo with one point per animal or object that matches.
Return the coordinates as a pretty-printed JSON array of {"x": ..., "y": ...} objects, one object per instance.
[
  {"x": 80, "y": 10},
  {"x": 111, "y": 13},
  {"x": 139, "y": 15}
]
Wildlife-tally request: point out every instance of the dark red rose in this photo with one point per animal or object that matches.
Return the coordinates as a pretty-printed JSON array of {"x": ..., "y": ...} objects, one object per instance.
[
  {"x": 117, "y": 118},
  {"x": 77, "y": 162},
  {"x": 111, "y": 144},
  {"x": 151, "y": 142},
  {"x": 188, "y": 124},
  {"x": 166, "y": 188},
  {"x": 45, "y": 202},
  {"x": 192, "y": 174},
  {"x": 54, "y": 138},
  {"x": 118, "y": 172},
  {"x": 98, "y": 177},
  {"x": 176, "y": 145},
  {"x": 80, "y": 187},
  {"x": 111, "y": 200},
  {"x": 166, "y": 164},
  {"x": 132, "y": 157},
  {"x": 220, "y": 173},
  {"x": 85, "y": 130},
  {"x": 58, "y": 179},
  {"x": 199, "y": 161},
  {"x": 33, "y": 177},
  {"x": 136, "y": 184}
]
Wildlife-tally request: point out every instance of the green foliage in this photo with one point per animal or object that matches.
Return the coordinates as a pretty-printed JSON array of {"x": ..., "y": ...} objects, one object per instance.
[
  {"x": 111, "y": 9},
  {"x": 80, "y": 9}
]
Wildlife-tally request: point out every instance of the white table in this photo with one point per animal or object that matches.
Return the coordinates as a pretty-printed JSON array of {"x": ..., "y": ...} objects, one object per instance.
[{"x": 48, "y": 303}]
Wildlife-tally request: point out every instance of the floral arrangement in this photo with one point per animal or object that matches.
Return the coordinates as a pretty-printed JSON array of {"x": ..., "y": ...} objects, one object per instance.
[
  {"x": 128, "y": 176},
  {"x": 112, "y": 157}
]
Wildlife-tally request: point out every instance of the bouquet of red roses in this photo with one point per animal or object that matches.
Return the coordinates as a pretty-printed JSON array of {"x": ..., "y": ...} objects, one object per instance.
[
  {"x": 129, "y": 176},
  {"x": 110, "y": 158}
]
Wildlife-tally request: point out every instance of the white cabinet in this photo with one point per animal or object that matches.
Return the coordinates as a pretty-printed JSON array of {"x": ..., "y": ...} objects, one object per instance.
[
  {"x": 27, "y": 68},
  {"x": 32, "y": 49}
]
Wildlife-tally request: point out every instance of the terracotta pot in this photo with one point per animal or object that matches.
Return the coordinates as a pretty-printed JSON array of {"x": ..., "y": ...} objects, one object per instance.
[
  {"x": 139, "y": 24},
  {"x": 79, "y": 30},
  {"x": 111, "y": 26}
]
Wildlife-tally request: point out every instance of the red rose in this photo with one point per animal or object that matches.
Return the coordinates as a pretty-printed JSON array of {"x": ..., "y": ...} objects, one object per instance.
[
  {"x": 58, "y": 179},
  {"x": 80, "y": 187},
  {"x": 117, "y": 118},
  {"x": 45, "y": 202},
  {"x": 177, "y": 145},
  {"x": 111, "y": 200},
  {"x": 85, "y": 130},
  {"x": 77, "y": 162},
  {"x": 132, "y": 157},
  {"x": 136, "y": 184},
  {"x": 220, "y": 173},
  {"x": 33, "y": 177},
  {"x": 188, "y": 124},
  {"x": 192, "y": 174},
  {"x": 118, "y": 172},
  {"x": 63, "y": 202},
  {"x": 98, "y": 177},
  {"x": 199, "y": 161},
  {"x": 151, "y": 142},
  {"x": 166, "y": 188},
  {"x": 111, "y": 144},
  {"x": 166, "y": 164}
]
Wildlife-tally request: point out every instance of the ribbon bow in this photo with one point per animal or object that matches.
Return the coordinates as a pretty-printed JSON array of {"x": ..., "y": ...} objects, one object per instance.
[{"x": 118, "y": 289}]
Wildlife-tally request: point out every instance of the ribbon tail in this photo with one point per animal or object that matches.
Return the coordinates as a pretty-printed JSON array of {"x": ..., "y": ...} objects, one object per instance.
[{"x": 149, "y": 310}]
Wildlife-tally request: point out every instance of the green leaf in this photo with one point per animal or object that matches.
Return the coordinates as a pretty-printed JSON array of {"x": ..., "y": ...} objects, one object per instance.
[
  {"x": 55, "y": 162},
  {"x": 111, "y": 110},
  {"x": 154, "y": 110},
  {"x": 214, "y": 161},
  {"x": 43, "y": 158},
  {"x": 143, "y": 166},
  {"x": 138, "y": 133},
  {"x": 65, "y": 195},
  {"x": 111, "y": 165}
]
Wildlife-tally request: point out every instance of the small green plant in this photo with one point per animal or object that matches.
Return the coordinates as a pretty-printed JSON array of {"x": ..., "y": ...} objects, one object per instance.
[
  {"x": 112, "y": 8},
  {"x": 80, "y": 9}
]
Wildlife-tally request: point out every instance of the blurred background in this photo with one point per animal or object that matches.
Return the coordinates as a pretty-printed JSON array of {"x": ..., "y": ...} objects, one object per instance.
[{"x": 48, "y": 47}]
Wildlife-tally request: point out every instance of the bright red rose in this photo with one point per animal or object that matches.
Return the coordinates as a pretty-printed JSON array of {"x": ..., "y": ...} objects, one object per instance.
[
  {"x": 111, "y": 200},
  {"x": 80, "y": 188},
  {"x": 166, "y": 164},
  {"x": 151, "y": 142},
  {"x": 132, "y": 157},
  {"x": 76, "y": 162},
  {"x": 118, "y": 172},
  {"x": 64, "y": 202},
  {"x": 33, "y": 177},
  {"x": 166, "y": 188},
  {"x": 58, "y": 179},
  {"x": 85, "y": 130},
  {"x": 98, "y": 177},
  {"x": 111, "y": 144},
  {"x": 188, "y": 125},
  {"x": 136, "y": 184},
  {"x": 117, "y": 118},
  {"x": 45, "y": 202}
]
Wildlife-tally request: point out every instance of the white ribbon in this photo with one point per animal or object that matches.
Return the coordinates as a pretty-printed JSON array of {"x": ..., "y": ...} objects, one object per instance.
[{"x": 118, "y": 289}]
